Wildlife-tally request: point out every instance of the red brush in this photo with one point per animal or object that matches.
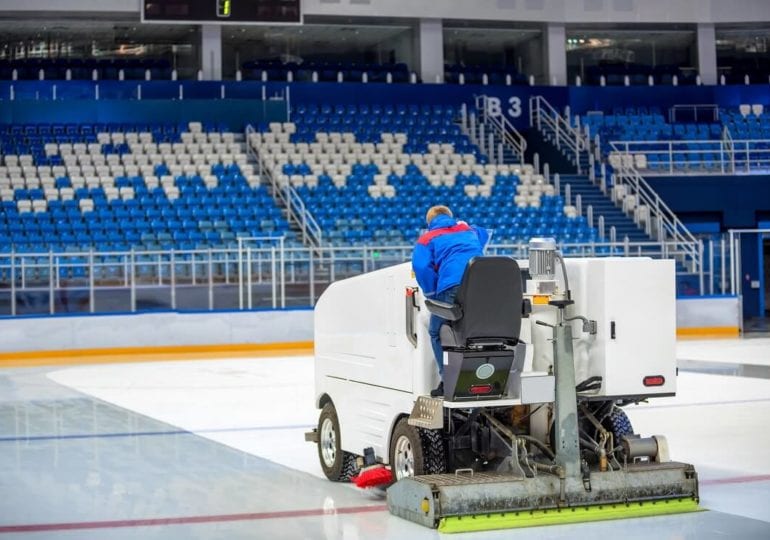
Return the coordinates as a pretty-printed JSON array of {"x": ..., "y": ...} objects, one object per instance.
[{"x": 373, "y": 476}]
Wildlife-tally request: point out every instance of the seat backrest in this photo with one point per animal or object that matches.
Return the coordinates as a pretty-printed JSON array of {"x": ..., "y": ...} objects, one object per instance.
[{"x": 490, "y": 295}]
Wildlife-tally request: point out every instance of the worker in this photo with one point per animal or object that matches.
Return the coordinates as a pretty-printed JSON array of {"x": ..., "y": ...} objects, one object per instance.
[{"x": 439, "y": 260}]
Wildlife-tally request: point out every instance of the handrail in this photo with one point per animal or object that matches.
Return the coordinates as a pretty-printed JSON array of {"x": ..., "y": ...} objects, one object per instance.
[
  {"x": 506, "y": 131},
  {"x": 289, "y": 198},
  {"x": 742, "y": 155},
  {"x": 542, "y": 114},
  {"x": 729, "y": 147},
  {"x": 260, "y": 268},
  {"x": 669, "y": 224}
]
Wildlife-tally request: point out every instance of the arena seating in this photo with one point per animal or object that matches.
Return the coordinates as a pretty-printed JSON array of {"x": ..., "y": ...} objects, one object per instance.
[
  {"x": 749, "y": 121},
  {"x": 367, "y": 174},
  {"x": 691, "y": 147},
  {"x": 56, "y": 69},
  {"x": 475, "y": 74},
  {"x": 276, "y": 70},
  {"x": 117, "y": 187},
  {"x": 684, "y": 147},
  {"x": 615, "y": 74}
]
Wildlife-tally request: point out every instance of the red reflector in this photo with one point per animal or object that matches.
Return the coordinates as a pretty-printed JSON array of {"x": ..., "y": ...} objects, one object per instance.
[
  {"x": 480, "y": 389},
  {"x": 654, "y": 380}
]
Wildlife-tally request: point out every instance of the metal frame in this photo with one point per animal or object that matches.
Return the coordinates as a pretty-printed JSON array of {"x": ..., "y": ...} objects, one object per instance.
[{"x": 260, "y": 272}]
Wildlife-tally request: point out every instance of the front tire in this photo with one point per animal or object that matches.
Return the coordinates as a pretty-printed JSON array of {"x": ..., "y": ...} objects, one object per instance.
[
  {"x": 415, "y": 452},
  {"x": 337, "y": 465}
]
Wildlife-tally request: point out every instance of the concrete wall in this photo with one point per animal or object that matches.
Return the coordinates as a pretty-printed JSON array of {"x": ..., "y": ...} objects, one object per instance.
[{"x": 155, "y": 330}]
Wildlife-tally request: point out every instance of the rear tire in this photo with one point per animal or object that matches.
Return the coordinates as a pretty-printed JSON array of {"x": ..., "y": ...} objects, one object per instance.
[
  {"x": 337, "y": 465},
  {"x": 415, "y": 452},
  {"x": 620, "y": 424}
]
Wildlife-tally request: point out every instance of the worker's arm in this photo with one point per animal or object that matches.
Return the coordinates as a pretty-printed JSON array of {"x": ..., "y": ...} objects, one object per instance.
[
  {"x": 483, "y": 235},
  {"x": 424, "y": 269}
]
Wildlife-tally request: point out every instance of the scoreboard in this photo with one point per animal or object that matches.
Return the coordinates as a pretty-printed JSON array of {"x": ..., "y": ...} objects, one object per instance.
[{"x": 222, "y": 11}]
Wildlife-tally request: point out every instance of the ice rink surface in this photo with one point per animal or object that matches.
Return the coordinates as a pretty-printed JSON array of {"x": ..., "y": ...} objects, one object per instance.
[{"x": 215, "y": 449}]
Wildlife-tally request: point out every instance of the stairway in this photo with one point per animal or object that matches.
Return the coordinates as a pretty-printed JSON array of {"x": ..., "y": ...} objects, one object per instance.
[
  {"x": 591, "y": 195},
  {"x": 547, "y": 153},
  {"x": 548, "y": 137}
]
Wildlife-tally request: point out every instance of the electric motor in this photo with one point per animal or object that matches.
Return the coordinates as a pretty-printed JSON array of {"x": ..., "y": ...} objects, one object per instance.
[{"x": 542, "y": 258}]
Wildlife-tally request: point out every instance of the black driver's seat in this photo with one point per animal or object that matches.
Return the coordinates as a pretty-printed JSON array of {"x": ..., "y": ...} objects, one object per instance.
[
  {"x": 488, "y": 308},
  {"x": 482, "y": 330}
]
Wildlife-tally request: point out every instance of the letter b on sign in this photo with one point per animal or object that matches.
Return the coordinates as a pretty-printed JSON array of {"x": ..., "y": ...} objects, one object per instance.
[{"x": 495, "y": 107}]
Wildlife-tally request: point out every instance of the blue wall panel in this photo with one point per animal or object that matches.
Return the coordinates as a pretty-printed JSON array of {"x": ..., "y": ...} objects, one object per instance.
[
  {"x": 739, "y": 199},
  {"x": 231, "y": 112}
]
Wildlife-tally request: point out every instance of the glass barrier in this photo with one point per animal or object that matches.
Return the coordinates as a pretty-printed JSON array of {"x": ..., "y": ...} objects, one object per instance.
[{"x": 244, "y": 277}]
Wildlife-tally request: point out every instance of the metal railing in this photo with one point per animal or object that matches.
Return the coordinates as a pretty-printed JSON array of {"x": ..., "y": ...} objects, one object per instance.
[
  {"x": 714, "y": 157},
  {"x": 256, "y": 273},
  {"x": 667, "y": 226},
  {"x": 736, "y": 258},
  {"x": 557, "y": 128},
  {"x": 660, "y": 222},
  {"x": 728, "y": 146},
  {"x": 287, "y": 196},
  {"x": 497, "y": 127}
]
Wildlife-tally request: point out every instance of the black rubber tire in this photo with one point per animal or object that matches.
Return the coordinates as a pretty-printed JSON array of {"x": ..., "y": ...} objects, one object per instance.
[
  {"x": 426, "y": 447},
  {"x": 434, "y": 452},
  {"x": 343, "y": 466},
  {"x": 620, "y": 424}
]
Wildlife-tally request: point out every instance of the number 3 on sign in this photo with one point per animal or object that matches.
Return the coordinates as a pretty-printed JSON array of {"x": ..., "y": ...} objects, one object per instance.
[
  {"x": 514, "y": 107},
  {"x": 494, "y": 107}
]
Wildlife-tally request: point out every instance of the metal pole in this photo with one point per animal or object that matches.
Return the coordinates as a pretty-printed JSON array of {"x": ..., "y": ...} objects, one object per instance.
[
  {"x": 283, "y": 273},
  {"x": 133, "y": 280},
  {"x": 723, "y": 279},
  {"x": 240, "y": 273},
  {"x": 13, "y": 282},
  {"x": 311, "y": 271},
  {"x": 51, "y": 307},
  {"x": 565, "y": 421},
  {"x": 732, "y": 263},
  {"x": 211, "y": 280},
  {"x": 738, "y": 268},
  {"x": 173, "y": 280},
  {"x": 748, "y": 161},
  {"x": 700, "y": 266},
  {"x": 711, "y": 266},
  {"x": 91, "y": 300},
  {"x": 272, "y": 278},
  {"x": 248, "y": 276}
]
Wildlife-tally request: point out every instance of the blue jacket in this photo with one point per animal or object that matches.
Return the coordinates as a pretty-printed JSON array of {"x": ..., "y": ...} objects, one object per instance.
[{"x": 441, "y": 254}]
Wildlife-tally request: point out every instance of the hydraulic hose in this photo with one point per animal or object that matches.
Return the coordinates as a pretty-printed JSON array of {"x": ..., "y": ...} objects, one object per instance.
[{"x": 547, "y": 451}]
